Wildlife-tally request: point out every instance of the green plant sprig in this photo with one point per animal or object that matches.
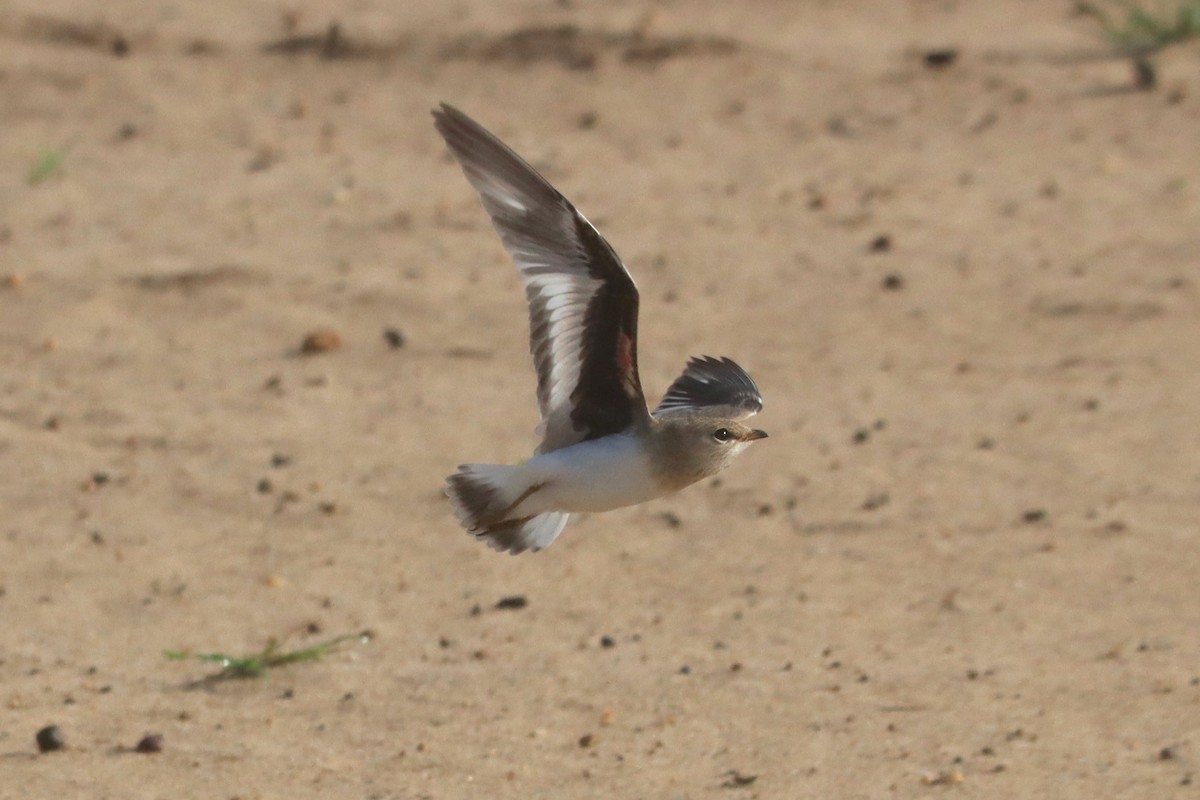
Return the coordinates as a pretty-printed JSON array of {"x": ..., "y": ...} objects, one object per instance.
[
  {"x": 1142, "y": 30},
  {"x": 257, "y": 665}
]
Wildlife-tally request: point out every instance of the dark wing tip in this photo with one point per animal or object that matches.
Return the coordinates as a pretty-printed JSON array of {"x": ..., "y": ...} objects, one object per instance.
[
  {"x": 708, "y": 382},
  {"x": 510, "y": 187},
  {"x": 446, "y": 116}
]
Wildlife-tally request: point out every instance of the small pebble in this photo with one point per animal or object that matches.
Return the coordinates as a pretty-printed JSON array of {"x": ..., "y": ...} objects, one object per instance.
[
  {"x": 150, "y": 743},
  {"x": 736, "y": 780},
  {"x": 513, "y": 602},
  {"x": 50, "y": 738},
  {"x": 394, "y": 338},
  {"x": 892, "y": 282},
  {"x": 671, "y": 519},
  {"x": 608, "y": 642},
  {"x": 940, "y": 58},
  {"x": 881, "y": 243},
  {"x": 876, "y": 501},
  {"x": 322, "y": 340},
  {"x": 1034, "y": 515}
]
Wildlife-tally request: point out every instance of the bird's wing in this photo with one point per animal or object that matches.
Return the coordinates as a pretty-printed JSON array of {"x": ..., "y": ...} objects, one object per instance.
[
  {"x": 583, "y": 305},
  {"x": 713, "y": 384}
]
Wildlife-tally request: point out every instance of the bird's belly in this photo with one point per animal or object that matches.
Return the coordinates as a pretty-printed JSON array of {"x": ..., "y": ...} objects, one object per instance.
[{"x": 598, "y": 475}]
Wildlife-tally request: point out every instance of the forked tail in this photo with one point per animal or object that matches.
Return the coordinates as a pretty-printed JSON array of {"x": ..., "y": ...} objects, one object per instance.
[{"x": 487, "y": 500}]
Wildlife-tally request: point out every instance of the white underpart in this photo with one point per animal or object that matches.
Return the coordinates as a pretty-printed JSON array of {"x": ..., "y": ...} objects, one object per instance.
[{"x": 597, "y": 475}]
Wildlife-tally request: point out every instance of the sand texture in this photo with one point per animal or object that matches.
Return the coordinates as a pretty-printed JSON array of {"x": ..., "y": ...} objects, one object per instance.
[{"x": 251, "y": 314}]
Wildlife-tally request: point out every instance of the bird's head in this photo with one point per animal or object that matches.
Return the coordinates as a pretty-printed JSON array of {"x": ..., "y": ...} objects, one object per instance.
[{"x": 690, "y": 446}]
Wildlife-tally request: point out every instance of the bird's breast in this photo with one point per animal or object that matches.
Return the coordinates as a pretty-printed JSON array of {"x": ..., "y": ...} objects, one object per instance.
[{"x": 597, "y": 475}]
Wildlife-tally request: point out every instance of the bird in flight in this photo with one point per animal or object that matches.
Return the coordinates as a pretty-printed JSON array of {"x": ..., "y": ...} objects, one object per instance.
[{"x": 601, "y": 447}]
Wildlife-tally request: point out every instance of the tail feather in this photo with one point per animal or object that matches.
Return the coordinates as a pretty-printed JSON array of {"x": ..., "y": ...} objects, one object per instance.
[{"x": 488, "y": 500}]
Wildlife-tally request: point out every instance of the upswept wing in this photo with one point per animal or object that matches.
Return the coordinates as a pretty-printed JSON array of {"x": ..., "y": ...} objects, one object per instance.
[
  {"x": 583, "y": 305},
  {"x": 713, "y": 384}
]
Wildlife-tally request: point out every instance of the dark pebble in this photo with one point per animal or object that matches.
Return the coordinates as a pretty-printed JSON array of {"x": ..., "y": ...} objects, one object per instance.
[
  {"x": 513, "y": 602},
  {"x": 860, "y": 436},
  {"x": 940, "y": 58},
  {"x": 394, "y": 338},
  {"x": 127, "y": 131},
  {"x": 120, "y": 47},
  {"x": 586, "y": 740},
  {"x": 1034, "y": 515},
  {"x": 1166, "y": 754},
  {"x": 881, "y": 243},
  {"x": 100, "y": 478},
  {"x": 150, "y": 743},
  {"x": 608, "y": 642},
  {"x": 280, "y": 460},
  {"x": 736, "y": 780},
  {"x": 671, "y": 519},
  {"x": 892, "y": 282},
  {"x": 876, "y": 501},
  {"x": 50, "y": 738},
  {"x": 265, "y": 486}
]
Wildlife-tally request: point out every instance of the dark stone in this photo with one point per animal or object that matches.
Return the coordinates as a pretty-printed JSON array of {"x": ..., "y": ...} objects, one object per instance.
[{"x": 50, "y": 738}]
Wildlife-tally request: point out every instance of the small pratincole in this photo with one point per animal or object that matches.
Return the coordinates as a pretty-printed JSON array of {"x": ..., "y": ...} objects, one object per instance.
[{"x": 601, "y": 448}]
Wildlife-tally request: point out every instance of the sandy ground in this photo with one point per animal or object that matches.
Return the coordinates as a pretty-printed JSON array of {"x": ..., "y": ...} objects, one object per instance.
[{"x": 964, "y": 564}]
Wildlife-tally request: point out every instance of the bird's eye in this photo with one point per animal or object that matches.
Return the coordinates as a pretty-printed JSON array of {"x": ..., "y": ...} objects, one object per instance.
[{"x": 722, "y": 434}]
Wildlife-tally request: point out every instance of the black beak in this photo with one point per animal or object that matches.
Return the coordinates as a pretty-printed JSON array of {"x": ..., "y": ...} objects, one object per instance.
[{"x": 754, "y": 434}]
